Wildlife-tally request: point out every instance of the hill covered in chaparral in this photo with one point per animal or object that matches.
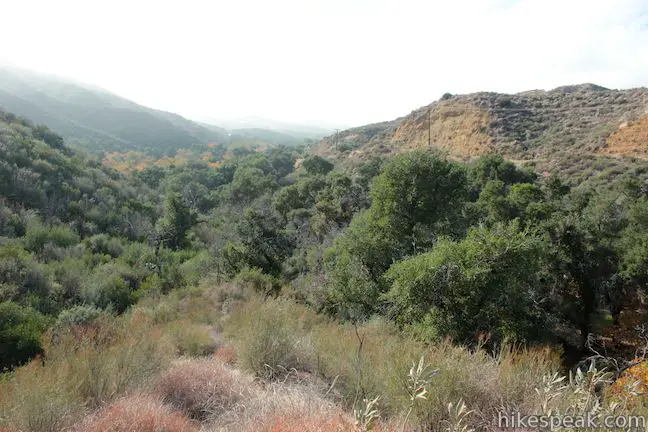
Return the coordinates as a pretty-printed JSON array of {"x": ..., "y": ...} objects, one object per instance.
[
  {"x": 271, "y": 290},
  {"x": 580, "y": 130},
  {"x": 97, "y": 120}
]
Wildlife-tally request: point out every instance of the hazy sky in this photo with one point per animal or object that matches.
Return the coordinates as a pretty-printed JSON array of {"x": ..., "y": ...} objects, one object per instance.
[{"x": 333, "y": 61}]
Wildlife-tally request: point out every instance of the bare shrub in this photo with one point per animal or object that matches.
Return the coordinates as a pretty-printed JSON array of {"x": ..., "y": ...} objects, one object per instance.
[
  {"x": 204, "y": 388},
  {"x": 138, "y": 413}
]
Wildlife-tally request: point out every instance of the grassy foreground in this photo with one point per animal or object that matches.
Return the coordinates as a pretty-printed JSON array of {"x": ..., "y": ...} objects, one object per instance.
[{"x": 220, "y": 358}]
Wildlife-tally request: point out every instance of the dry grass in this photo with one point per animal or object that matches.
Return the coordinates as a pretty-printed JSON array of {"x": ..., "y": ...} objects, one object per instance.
[
  {"x": 315, "y": 373},
  {"x": 104, "y": 368},
  {"x": 200, "y": 305},
  {"x": 306, "y": 423},
  {"x": 189, "y": 338},
  {"x": 37, "y": 399},
  {"x": 282, "y": 408},
  {"x": 226, "y": 354},
  {"x": 138, "y": 413},
  {"x": 277, "y": 332},
  {"x": 272, "y": 337},
  {"x": 204, "y": 388},
  {"x": 83, "y": 368}
]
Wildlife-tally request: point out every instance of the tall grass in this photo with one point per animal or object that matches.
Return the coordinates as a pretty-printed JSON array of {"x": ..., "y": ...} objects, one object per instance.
[
  {"x": 373, "y": 359},
  {"x": 275, "y": 340},
  {"x": 190, "y": 339},
  {"x": 83, "y": 368}
]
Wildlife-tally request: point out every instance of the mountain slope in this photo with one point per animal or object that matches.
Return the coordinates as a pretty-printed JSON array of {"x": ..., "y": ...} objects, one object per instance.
[
  {"x": 97, "y": 120},
  {"x": 565, "y": 128},
  {"x": 38, "y": 172}
]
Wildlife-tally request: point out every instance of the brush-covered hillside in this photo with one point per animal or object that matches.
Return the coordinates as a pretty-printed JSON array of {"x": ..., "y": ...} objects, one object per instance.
[
  {"x": 279, "y": 291},
  {"x": 580, "y": 130},
  {"x": 96, "y": 120}
]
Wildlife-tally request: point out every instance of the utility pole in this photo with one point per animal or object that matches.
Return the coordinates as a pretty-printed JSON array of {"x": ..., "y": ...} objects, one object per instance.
[
  {"x": 429, "y": 126},
  {"x": 335, "y": 139}
]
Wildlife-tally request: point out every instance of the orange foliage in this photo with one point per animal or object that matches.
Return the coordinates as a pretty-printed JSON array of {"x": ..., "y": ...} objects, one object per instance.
[{"x": 633, "y": 379}]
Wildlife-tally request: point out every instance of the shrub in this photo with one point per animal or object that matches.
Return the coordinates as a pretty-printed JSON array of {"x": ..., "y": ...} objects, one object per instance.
[
  {"x": 78, "y": 315},
  {"x": 111, "y": 292},
  {"x": 71, "y": 275},
  {"x": 37, "y": 399},
  {"x": 20, "y": 274},
  {"x": 138, "y": 413},
  {"x": 257, "y": 281},
  {"x": 204, "y": 388},
  {"x": 109, "y": 358},
  {"x": 20, "y": 332},
  {"x": 190, "y": 339},
  {"x": 126, "y": 364},
  {"x": 111, "y": 285},
  {"x": 272, "y": 337},
  {"x": 105, "y": 245},
  {"x": 195, "y": 269},
  {"x": 283, "y": 333},
  {"x": 484, "y": 380},
  {"x": 38, "y": 236}
]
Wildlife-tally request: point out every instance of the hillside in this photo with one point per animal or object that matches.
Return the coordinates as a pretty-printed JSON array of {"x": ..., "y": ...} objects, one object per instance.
[
  {"x": 96, "y": 120},
  {"x": 554, "y": 130},
  {"x": 262, "y": 294}
]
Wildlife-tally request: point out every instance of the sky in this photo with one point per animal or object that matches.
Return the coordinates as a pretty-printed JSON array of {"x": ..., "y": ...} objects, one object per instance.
[{"x": 325, "y": 62}]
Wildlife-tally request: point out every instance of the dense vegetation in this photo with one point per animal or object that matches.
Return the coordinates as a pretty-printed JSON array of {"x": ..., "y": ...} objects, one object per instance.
[
  {"x": 444, "y": 249},
  {"x": 414, "y": 249}
]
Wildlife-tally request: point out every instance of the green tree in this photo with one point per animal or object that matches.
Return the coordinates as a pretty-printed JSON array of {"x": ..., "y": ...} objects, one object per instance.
[
  {"x": 250, "y": 183},
  {"x": 495, "y": 167},
  {"x": 262, "y": 243},
  {"x": 486, "y": 283},
  {"x": 317, "y": 165},
  {"x": 21, "y": 329},
  {"x": 176, "y": 221},
  {"x": 416, "y": 198}
]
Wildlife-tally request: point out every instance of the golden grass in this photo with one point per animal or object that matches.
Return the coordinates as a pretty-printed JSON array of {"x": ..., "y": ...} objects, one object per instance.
[{"x": 288, "y": 335}]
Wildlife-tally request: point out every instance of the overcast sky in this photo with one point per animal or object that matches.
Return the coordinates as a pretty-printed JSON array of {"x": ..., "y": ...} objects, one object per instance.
[{"x": 346, "y": 62}]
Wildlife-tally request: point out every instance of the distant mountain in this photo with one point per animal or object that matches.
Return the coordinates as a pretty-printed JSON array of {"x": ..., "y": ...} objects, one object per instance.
[
  {"x": 581, "y": 130},
  {"x": 97, "y": 120},
  {"x": 296, "y": 130}
]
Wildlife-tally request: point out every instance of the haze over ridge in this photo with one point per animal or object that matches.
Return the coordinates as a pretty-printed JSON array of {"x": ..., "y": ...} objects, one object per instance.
[{"x": 349, "y": 63}]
